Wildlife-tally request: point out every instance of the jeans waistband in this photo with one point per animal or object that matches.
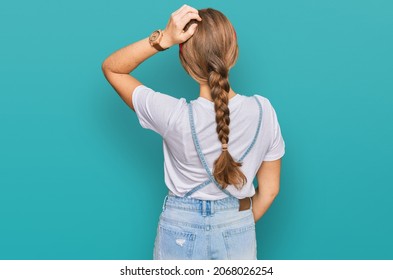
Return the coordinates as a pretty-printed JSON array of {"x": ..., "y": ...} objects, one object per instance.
[{"x": 204, "y": 207}]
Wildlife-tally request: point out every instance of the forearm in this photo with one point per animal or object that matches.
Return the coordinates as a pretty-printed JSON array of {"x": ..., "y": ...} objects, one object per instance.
[
  {"x": 126, "y": 59},
  {"x": 261, "y": 202}
]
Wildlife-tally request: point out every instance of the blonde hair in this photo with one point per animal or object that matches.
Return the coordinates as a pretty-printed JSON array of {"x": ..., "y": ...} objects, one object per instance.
[{"x": 207, "y": 57}]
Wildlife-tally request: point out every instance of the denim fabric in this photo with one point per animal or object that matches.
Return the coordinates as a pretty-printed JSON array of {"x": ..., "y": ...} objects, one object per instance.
[
  {"x": 190, "y": 228},
  {"x": 198, "y": 229}
]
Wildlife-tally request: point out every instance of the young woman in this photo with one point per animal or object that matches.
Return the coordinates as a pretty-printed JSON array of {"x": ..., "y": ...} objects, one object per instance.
[{"x": 212, "y": 205}]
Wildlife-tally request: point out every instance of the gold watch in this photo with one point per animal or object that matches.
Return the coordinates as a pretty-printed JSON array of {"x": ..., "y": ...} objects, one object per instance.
[{"x": 155, "y": 39}]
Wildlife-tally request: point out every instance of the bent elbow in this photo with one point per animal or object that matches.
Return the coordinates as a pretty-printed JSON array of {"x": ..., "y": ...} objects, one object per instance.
[{"x": 104, "y": 66}]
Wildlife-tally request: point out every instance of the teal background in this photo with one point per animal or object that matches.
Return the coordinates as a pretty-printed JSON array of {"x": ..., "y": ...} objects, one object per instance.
[{"x": 81, "y": 179}]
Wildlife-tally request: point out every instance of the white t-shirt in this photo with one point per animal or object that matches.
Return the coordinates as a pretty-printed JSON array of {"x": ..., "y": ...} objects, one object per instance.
[{"x": 183, "y": 169}]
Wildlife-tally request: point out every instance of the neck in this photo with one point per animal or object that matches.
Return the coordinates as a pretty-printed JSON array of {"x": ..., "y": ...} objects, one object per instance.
[{"x": 204, "y": 91}]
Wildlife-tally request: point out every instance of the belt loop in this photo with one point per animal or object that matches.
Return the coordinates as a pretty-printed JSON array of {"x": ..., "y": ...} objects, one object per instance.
[
  {"x": 209, "y": 208},
  {"x": 165, "y": 200},
  {"x": 250, "y": 202},
  {"x": 204, "y": 208}
]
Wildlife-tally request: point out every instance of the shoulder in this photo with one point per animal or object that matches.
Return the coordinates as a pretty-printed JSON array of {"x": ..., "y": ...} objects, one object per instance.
[
  {"x": 268, "y": 110},
  {"x": 145, "y": 90},
  {"x": 157, "y": 98},
  {"x": 156, "y": 110},
  {"x": 265, "y": 103},
  {"x": 263, "y": 100}
]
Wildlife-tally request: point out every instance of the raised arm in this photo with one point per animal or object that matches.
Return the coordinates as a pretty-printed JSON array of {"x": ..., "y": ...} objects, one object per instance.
[{"x": 118, "y": 66}]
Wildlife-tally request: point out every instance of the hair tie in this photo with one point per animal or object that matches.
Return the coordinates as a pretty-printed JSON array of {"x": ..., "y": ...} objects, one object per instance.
[
  {"x": 224, "y": 147},
  {"x": 180, "y": 46}
]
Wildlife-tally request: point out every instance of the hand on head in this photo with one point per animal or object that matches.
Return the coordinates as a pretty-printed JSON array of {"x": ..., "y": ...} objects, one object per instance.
[{"x": 174, "y": 32}]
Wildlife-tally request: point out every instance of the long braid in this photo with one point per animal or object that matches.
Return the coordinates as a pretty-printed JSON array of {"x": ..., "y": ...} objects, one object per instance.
[
  {"x": 226, "y": 170},
  {"x": 207, "y": 56}
]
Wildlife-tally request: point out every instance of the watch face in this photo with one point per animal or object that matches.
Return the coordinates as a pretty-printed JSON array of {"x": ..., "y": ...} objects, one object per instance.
[{"x": 154, "y": 36}]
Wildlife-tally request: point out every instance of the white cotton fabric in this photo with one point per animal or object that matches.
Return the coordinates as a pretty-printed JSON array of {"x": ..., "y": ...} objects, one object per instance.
[{"x": 168, "y": 116}]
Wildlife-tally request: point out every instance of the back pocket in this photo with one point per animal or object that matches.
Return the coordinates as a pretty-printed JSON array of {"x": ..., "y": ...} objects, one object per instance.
[
  {"x": 241, "y": 243},
  {"x": 175, "y": 244}
]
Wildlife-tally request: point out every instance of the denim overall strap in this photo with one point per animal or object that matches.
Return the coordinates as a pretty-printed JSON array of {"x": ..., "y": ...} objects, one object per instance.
[
  {"x": 201, "y": 156},
  {"x": 202, "y": 159},
  {"x": 256, "y": 133}
]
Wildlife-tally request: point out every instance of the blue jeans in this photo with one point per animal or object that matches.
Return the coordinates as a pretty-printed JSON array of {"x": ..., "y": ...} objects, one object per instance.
[{"x": 198, "y": 229}]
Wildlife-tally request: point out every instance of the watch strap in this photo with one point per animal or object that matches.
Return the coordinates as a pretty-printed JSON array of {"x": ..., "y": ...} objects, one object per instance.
[{"x": 159, "y": 48}]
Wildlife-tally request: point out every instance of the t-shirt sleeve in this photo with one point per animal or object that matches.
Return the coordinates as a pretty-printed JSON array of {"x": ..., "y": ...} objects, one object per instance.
[
  {"x": 277, "y": 146},
  {"x": 155, "y": 110}
]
